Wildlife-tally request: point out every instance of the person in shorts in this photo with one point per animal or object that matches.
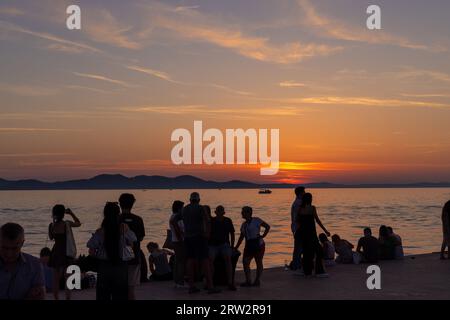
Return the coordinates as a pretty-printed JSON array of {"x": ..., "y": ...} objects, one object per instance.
[
  {"x": 222, "y": 231},
  {"x": 254, "y": 245}
]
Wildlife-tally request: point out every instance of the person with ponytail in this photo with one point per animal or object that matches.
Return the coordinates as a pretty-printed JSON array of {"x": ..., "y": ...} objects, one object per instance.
[{"x": 112, "y": 246}]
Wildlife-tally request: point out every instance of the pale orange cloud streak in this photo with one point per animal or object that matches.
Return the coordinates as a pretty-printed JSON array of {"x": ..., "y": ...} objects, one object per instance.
[
  {"x": 48, "y": 37},
  {"x": 105, "y": 28},
  {"x": 339, "y": 30}
]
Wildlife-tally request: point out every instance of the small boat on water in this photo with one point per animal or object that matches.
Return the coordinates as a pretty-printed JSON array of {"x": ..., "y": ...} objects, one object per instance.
[{"x": 265, "y": 191}]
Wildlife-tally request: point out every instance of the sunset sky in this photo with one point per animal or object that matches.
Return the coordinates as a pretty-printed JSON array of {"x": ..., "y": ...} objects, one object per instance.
[{"x": 352, "y": 105}]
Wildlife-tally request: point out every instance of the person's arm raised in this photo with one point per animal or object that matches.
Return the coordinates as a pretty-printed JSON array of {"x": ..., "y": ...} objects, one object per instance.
[
  {"x": 76, "y": 222},
  {"x": 316, "y": 217}
]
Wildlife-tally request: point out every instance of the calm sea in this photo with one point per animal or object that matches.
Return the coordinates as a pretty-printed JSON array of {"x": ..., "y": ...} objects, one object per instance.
[{"x": 415, "y": 214}]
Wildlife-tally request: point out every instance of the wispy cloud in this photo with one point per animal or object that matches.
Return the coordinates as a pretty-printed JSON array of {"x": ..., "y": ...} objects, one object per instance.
[
  {"x": 165, "y": 76},
  {"x": 11, "y": 11},
  {"x": 32, "y": 130},
  {"x": 102, "y": 78},
  {"x": 64, "y": 48},
  {"x": 152, "y": 72},
  {"x": 28, "y": 90},
  {"x": 63, "y": 43},
  {"x": 196, "y": 26},
  {"x": 225, "y": 88},
  {"x": 217, "y": 112},
  {"x": 425, "y": 95},
  {"x": 411, "y": 72},
  {"x": 103, "y": 27},
  {"x": 359, "y": 101},
  {"x": 335, "y": 29},
  {"x": 291, "y": 84},
  {"x": 77, "y": 87},
  {"x": 32, "y": 155},
  {"x": 186, "y": 8}
]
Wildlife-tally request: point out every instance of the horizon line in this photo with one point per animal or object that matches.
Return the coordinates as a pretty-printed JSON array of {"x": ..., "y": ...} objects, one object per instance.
[{"x": 231, "y": 180}]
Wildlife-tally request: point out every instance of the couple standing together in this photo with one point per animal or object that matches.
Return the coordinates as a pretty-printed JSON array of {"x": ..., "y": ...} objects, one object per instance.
[{"x": 303, "y": 226}]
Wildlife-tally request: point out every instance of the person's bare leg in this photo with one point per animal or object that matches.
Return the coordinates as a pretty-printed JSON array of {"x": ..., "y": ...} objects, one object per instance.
[
  {"x": 248, "y": 275},
  {"x": 443, "y": 246},
  {"x": 259, "y": 269},
  {"x": 211, "y": 267},
  {"x": 191, "y": 272},
  {"x": 229, "y": 270},
  {"x": 207, "y": 271},
  {"x": 67, "y": 291},
  {"x": 56, "y": 279}
]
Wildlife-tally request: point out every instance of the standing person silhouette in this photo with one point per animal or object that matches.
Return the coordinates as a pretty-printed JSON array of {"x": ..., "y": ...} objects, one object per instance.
[
  {"x": 221, "y": 243},
  {"x": 312, "y": 250},
  {"x": 297, "y": 252},
  {"x": 255, "y": 246},
  {"x": 136, "y": 224},
  {"x": 64, "y": 250},
  {"x": 111, "y": 245},
  {"x": 196, "y": 231},
  {"x": 177, "y": 229},
  {"x": 445, "y": 230}
]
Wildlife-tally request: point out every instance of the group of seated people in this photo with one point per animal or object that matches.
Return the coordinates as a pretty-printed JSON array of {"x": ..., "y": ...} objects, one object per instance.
[{"x": 369, "y": 249}]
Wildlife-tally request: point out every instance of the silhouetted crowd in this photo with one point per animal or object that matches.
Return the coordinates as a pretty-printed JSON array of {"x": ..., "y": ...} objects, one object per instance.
[{"x": 199, "y": 248}]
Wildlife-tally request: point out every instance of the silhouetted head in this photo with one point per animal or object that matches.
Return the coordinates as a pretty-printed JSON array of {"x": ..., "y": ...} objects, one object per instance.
[
  {"x": 390, "y": 230},
  {"x": 44, "y": 255},
  {"x": 335, "y": 238},
  {"x": 12, "y": 237},
  {"x": 299, "y": 191},
  {"x": 307, "y": 199},
  {"x": 323, "y": 238},
  {"x": 111, "y": 229},
  {"x": 194, "y": 198},
  {"x": 177, "y": 206},
  {"x": 384, "y": 232},
  {"x": 220, "y": 211},
  {"x": 367, "y": 232},
  {"x": 446, "y": 207},
  {"x": 111, "y": 211},
  {"x": 247, "y": 212},
  {"x": 58, "y": 212},
  {"x": 126, "y": 201},
  {"x": 152, "y": 246}
]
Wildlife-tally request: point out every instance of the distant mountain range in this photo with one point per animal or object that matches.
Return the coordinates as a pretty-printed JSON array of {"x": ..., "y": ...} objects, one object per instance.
[{"x": 117, "y": 181}]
